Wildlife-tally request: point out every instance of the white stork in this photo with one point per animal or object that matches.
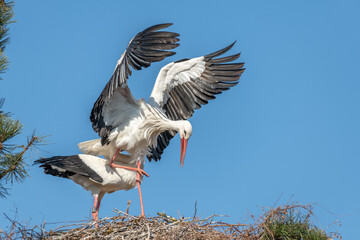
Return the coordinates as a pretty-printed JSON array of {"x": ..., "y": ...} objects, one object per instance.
[
  {"x": 146, "y": 128},
  {"x": 94, "y": 174}
]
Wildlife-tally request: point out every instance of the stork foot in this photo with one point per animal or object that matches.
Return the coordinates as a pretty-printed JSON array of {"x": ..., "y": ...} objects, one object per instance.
[
  {"x": 138, "y": 169},
  {"x": 95, "y": 216},
  {"x": 142, "y": 217}
]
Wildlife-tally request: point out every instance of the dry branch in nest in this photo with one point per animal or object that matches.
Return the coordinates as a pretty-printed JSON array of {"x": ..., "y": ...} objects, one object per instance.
[{"x": 269, "y": 226}]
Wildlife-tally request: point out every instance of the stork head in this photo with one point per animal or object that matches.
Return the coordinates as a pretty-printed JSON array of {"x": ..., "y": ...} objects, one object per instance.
[{"x": 185, "y": 131}]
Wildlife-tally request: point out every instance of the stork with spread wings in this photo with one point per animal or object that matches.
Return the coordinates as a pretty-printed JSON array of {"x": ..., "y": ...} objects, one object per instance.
[{"x": 144, "y": 129}]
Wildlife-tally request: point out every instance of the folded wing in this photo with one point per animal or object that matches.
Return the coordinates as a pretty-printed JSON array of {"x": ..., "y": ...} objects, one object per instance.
[{"x": 67, "y": 166}]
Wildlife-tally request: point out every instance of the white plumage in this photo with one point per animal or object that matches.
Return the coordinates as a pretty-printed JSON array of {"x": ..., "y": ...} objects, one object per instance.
[
  {"x": 114, "y": 179},
  {"x": 93, "y": 174},
  {"x": 146, "y": 128}
]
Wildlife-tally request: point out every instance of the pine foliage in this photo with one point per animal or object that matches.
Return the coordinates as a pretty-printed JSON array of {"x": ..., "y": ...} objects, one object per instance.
[
  {"x": 6, "y": 14},
  {"x": 12, "y": 165}
]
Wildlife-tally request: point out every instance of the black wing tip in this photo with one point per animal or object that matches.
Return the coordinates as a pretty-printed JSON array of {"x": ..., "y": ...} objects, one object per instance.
[
  {"x": 170, "y": 53},
  {"x": 157, "y": 27},
  {"x": 176, "y": 35},
  {"x": 164, "y": 25},
  {"x": 224, "y": 59},
  {"x": 231, "y": 45},
  {"x": 54, "y": 158},
  {"x": 221, "y": 51},
  {"x": 182, "y": 60},
  {"x": 44, "y": 161},
  {"x": 53, "y": 166}
]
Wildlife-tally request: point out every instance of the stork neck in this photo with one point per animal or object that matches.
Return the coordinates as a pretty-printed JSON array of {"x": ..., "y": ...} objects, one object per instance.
[{"x": 175, "y": 125}]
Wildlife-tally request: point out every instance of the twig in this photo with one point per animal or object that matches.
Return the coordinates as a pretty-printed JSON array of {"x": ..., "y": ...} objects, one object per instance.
[
  {"x": 149, "y": 232},
  {"x": 195, "y": 210},
  {"x": 128, "y": 215},
  {"x": 128, "y": 206}
]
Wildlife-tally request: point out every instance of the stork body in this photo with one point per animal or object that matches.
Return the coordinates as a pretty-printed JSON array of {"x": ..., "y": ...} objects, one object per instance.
[
  {"x": 138, "y": 129},
  {"x": 146, "y": 128},
  {"x": 94, "y": 174}
]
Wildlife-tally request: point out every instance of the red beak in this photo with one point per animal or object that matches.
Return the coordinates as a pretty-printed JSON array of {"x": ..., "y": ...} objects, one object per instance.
[{"x": 183, "y": 151}]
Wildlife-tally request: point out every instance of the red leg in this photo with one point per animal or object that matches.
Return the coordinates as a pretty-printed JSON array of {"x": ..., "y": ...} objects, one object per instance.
[
  {"x": 138, "y": 183},
  {"x": 138, "y": 169},
  {"x": 113, "y": 158},
  {"x": 95, "y": 211}
]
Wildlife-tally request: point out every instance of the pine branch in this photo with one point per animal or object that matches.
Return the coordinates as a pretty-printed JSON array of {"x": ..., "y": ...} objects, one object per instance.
[
  {"x": 13, "y": 167},
  {"x": 6, "y": 13},
  {"x": 9, "y": 128}
]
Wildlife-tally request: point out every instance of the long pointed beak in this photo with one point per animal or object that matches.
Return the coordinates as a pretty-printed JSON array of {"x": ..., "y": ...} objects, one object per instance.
[{"x": 183, "y": 151}]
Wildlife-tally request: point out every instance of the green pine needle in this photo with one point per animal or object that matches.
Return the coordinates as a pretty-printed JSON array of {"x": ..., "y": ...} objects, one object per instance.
[
  {"x": 6, "y": 13},
  {"x": 9, "y": 128},
  {"x": 12, "y": 165}
]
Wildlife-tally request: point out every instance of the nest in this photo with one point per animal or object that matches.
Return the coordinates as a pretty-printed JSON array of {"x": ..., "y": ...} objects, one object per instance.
[{"x": 125, "y": 226}]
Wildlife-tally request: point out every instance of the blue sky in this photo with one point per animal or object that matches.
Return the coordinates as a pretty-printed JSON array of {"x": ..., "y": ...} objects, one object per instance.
[{"x": 289, "y": 130}]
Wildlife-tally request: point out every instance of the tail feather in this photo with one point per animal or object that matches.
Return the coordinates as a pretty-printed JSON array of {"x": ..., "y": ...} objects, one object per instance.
[{"x": 93, "y": 147}]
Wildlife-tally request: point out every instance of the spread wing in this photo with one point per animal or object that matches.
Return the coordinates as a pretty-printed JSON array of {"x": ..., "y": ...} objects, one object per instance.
[
  {"x": 148, "y": 46},
  {"x": 186, "y": 85}
]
